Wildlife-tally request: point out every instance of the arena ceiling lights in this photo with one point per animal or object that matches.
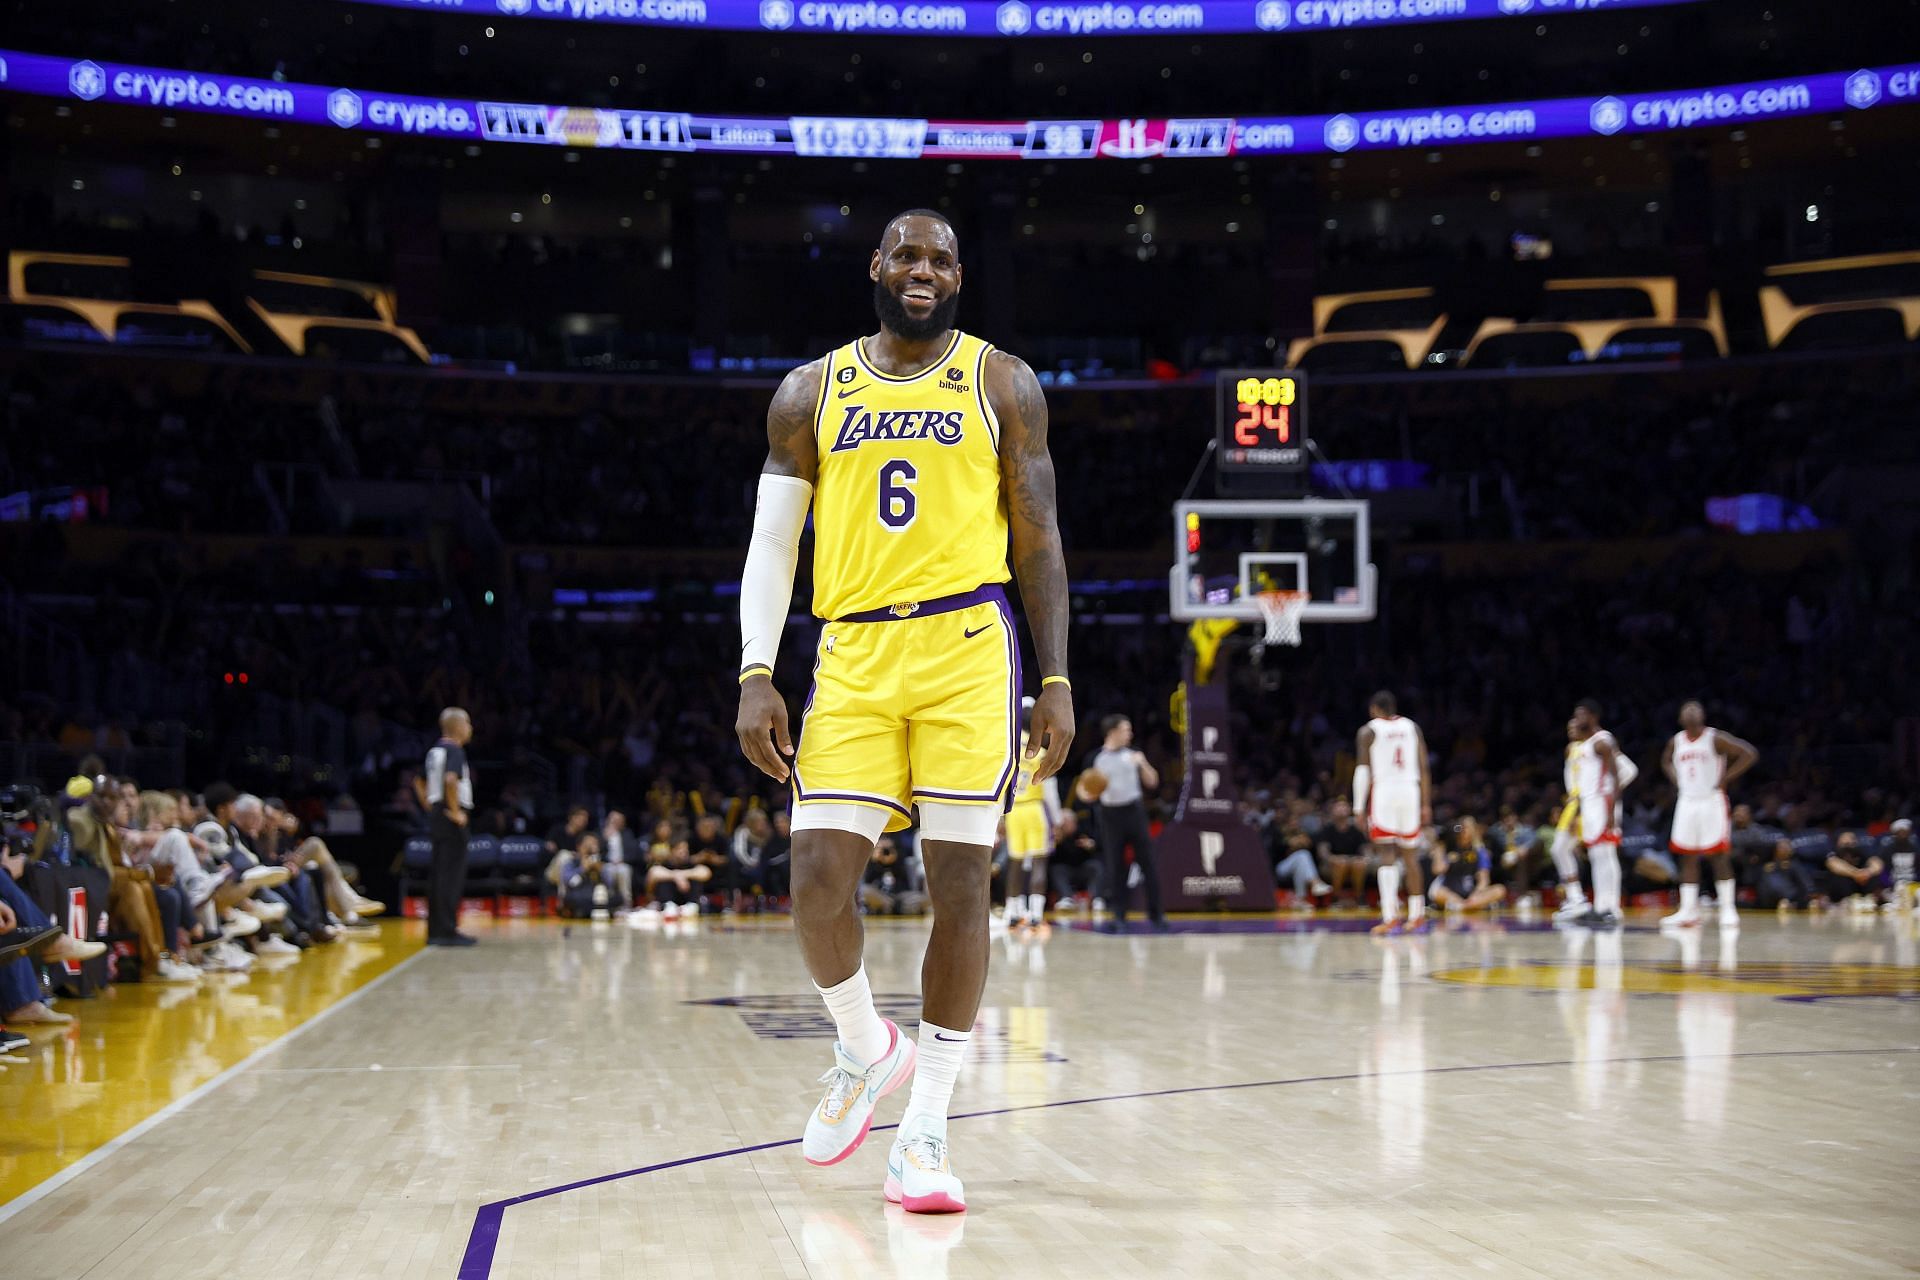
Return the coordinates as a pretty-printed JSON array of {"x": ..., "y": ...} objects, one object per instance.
[
  {"x": 910, "y": 139},
  {"x": 1015, "y": 18}
]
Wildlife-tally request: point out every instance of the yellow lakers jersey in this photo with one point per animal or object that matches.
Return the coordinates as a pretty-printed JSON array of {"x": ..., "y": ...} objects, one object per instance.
[{"x": 906, "y": 496}]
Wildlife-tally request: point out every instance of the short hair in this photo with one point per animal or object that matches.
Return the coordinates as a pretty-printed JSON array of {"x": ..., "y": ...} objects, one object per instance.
[
  {"x": 247, "y": 802},
  {"x": 1384, "y": 700},
  {"x": 450, "y": 714},
  {"x": 218, "y": 794},
  {"x": 1112, "y": 722},
  {"x": 1589, "y": 705},
  {"x": 935, "y": 214},
  {"x": 1694, "y": 702}
]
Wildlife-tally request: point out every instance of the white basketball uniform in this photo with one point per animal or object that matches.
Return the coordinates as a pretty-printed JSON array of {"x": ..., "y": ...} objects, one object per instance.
[
  {"x": 1700, "y": 821},
  {"x": 1393, "y": 804},
  {"x": 1587, "y": 778}
]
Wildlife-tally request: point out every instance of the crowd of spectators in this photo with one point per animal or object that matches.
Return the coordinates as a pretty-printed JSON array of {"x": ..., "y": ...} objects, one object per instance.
[
  {"x": 662, "y": 464},
  {"x": 194, "y": 884}
]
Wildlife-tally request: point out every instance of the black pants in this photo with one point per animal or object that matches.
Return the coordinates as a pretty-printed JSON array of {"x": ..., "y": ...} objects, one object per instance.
[
  {"x": 449, "y": 876},
  {"x": 1120, "y": 826}
]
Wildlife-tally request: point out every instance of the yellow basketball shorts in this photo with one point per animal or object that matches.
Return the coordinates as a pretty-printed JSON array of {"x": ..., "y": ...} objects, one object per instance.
[
  {"x": 1027, "y": 831},
  {"x": 914, "y": 704}
]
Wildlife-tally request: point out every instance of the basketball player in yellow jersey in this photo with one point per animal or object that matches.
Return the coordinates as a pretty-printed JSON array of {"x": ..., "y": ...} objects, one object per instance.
[{"x": 922, "y": 452}]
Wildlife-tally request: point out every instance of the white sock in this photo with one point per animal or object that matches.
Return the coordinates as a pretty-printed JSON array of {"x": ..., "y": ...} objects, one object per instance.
[
  {"x": 1725, "y": 890},
  {"x": 1390, "y": 892},
  {"x": 941, "y": 1051},
  {"x": 1605, "y": 860},
  {"x": 1689, "y": 899},
  {"x": 1416, "y": 906},
  {"x": 862, "y": 1032},
  {"x": 1036, "y": 905}
]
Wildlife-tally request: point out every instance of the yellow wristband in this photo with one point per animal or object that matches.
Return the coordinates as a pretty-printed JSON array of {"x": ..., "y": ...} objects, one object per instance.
[
  {"x": 1047, "y": 680},
  {"x": 757, "y": 669}
]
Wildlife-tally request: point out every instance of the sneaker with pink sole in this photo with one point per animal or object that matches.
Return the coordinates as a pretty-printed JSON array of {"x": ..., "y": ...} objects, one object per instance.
[
  {"x": 839, "y": 1124},
  {"x": 920, "y": 1178}
]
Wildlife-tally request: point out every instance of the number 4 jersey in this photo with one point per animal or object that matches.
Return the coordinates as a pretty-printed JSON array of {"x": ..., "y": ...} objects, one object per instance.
[{"x": 907, "y": 503}]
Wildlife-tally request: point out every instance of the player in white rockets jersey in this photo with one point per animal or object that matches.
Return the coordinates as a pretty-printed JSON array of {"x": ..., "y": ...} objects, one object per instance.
[
  {"x": 1597, "y": 772},
  {"x": 1393, "y": 791},
  {"x": 1701, "y": 760}
]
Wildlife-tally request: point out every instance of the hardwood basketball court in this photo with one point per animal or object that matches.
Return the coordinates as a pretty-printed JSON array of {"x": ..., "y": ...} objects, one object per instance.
[{"x": 1247, "y": 1096}]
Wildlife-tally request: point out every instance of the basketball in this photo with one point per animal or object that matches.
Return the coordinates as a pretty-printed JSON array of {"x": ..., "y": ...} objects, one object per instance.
[{"x": 1090, "y": 784}]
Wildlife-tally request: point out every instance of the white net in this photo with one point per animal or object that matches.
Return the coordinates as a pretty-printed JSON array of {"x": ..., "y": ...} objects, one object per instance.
[{"x": 1282, "y": 610}]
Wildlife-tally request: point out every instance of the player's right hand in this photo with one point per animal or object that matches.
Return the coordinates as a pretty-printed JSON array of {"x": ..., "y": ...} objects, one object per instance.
[{"x": 762, "y": 728}]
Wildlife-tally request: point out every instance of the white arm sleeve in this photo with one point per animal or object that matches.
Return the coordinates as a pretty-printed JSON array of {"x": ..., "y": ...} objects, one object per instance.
[
  {"x": 1625, "y": 768},
  {"x": 1362, "y": 780},
  {"x": 766, "y": 583},
  {"x": 1050, "y": 804}
]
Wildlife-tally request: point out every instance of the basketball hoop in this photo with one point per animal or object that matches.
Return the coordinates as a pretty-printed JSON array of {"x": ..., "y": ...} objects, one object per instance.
[{"x": 1282, "y": 610}]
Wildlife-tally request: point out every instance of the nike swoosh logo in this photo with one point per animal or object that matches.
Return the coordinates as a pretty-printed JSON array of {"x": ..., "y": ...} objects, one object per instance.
[
  {"x": 950, "y": 1039},
  {"x": 970, "y": 635},
  {"x": 856, "y": 391}
]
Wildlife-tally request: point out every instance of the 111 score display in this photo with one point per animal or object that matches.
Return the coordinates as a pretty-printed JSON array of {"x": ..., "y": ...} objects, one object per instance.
[{"x": 1260, "y": 419}]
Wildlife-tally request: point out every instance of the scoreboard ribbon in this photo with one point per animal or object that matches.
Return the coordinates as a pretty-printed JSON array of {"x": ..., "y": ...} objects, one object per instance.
[{"x": 889, "y": 138}]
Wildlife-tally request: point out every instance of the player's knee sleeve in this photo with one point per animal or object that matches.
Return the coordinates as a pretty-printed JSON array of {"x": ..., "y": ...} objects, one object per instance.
[
  {"x": 862, "y": 820},
  {"x": 959, "y": 823}
]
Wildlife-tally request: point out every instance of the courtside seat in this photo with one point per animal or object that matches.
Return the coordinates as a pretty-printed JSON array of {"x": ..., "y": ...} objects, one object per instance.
[
  {"x": 416, "y": 865},
  {"x": 1388, "y": 328},
  {"x": 522, "y": 866},
  {"x": 1601, "y": 319},
  {"x": 483, "y": 865},
  {"x": 1867, "y": 300}
]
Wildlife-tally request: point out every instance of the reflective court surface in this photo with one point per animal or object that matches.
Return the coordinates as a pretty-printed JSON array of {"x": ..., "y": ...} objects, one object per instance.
[{"x": 1242, "y": 1097}]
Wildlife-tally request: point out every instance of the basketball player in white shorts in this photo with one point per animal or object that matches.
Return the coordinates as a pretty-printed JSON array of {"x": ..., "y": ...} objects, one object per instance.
[
  {"x": 1597, "y": 772},
  {"x": 1701, "y": 760},
  {"x": 1393, "y": 791}
]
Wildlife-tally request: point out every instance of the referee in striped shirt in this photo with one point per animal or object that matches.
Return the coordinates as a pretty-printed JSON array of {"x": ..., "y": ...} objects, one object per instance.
[{"x": 449, "y": 799}]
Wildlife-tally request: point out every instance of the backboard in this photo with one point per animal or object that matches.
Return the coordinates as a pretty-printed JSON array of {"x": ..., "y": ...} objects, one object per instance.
[{"x": 1228, "y": 550}]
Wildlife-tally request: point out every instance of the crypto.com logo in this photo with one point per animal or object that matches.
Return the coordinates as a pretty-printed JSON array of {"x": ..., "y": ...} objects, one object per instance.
[
  {"x": 1273, "y": 15},
  {"x": 1863, "y": 89},
  {"x": 87, "y": 80},
  {"x": 343, "y": 108},
  {"x": 1342, "y": 133},
  {"x": 1609, "y": 115},
  {"x": 1013, "y": 18},
  {"x": 514, "y": 8},
  {"x": 777, "y": 14},
  {"x": 1515, "y": 6}
]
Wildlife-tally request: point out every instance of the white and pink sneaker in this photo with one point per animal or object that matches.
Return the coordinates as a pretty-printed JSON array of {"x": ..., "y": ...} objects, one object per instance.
[
  {"x": 839, "y": 1124},
  {"x": 919, "y": 1177}
]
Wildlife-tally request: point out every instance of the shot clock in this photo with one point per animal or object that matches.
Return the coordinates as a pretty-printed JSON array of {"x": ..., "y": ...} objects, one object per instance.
[{"x": 1260, "y": 419}]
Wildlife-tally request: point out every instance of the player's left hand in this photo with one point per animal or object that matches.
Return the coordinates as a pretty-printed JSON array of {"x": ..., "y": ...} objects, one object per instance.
[{"x": 1050, "y": 731}]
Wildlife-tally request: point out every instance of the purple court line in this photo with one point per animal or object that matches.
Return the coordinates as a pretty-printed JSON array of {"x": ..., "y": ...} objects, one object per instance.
[{"x": 478, "y": 1261}]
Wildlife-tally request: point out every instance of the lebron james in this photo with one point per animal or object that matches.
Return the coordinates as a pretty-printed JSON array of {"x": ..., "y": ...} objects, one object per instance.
[{"x": 922, "y": 452}]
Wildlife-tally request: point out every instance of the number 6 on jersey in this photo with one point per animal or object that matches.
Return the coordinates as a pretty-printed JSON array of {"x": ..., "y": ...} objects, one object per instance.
[{"x": 896, "y": 494}]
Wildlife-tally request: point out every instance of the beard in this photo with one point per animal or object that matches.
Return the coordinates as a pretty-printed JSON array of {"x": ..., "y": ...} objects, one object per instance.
[{"x": 893, "y": 315}]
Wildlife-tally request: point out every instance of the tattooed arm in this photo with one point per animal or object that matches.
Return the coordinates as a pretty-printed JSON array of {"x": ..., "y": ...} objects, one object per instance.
[{"x": 1026, "y": 479}]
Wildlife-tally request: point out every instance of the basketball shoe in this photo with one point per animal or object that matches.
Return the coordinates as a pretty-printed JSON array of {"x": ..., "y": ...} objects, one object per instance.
[
  {"x": 839, "y": 1124},
  {"x": 919, "y": 1177},
  {"x": 1684, "y": 918}
]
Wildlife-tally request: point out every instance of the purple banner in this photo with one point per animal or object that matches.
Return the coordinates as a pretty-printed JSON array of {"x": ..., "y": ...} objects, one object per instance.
[
  {"x": 1017, "y": 18},
  {"x": 907, "y": 139},
  {"x": 1207, "y": 856}
]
